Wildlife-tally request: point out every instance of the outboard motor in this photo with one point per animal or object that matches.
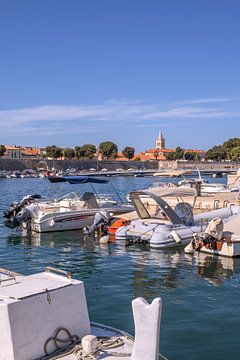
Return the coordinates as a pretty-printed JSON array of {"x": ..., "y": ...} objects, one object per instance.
[
  {"x": 208, "y": 238},
  {"x": 16, "y": 207},
  {"x": 24, "y": 214},
  {"x": 101, "y": 218},
  {"x": 185, "y": 212}
]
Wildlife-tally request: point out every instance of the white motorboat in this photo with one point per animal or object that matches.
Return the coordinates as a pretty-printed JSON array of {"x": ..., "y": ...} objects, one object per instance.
[
  {"x": 45, "y": 316},
  {"x": 70, "y": 212},
  {"x": 221, "y": 237},
  {"x": 205, "y": 186},
  {"x": 162, "y": 226}
]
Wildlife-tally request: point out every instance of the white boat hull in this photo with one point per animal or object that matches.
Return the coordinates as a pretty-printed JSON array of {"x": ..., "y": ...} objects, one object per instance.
[
  {"x": 62, "y": 221},
  {"x": 224, "y": 248}
]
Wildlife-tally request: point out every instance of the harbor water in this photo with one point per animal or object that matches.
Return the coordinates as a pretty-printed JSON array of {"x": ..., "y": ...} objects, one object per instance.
[{"x": 201, "y": 317}]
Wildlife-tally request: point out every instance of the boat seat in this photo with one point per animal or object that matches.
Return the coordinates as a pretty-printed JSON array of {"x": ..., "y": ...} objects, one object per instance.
[{"x": 89, "y": 200}]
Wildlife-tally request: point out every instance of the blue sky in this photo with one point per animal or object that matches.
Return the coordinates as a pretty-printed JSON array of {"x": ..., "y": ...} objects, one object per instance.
[{"x": 85, "y": 71}]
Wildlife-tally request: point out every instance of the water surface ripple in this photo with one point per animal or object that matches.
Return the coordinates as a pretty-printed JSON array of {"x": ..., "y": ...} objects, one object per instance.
[{"x": 201, "y": 318}]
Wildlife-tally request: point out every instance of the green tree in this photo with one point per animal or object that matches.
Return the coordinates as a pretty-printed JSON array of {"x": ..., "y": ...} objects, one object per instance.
[
  {"x": 53, "y": 151},
  {"x": 169, "y": 156},
  {"x": 79, "y": 152},
  {"x": 235, "y": 153},
  {"x": 176, "y": 155},
  {"x": 192, "y": 156},
  {"x": 69, "y": 153},
  {"x": 128, "y": 152},
  {"x": 2, "y": 150},
  {"x": 179, "y": 153},
  {"x": 89, "y": 151},
  {"x": 108, "y": 149},
  {"x": 217, "y": 153},
  {"x": 230, "y": 144}
]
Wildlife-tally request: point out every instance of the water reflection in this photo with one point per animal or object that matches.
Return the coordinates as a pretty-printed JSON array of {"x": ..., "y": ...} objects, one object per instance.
[
  {"x": 214, "y": 269},
  {"x": 150, "y": 270}
]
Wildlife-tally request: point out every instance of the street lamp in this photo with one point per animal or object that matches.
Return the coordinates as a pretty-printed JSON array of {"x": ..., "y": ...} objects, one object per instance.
[{"x": 97, "y": 148}]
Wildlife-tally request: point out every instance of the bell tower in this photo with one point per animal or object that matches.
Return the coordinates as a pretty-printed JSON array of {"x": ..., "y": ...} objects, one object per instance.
[{"x": 160, "y": 142}]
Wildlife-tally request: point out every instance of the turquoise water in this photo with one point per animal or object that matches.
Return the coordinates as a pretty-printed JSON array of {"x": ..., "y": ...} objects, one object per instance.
[{"x": 201, "y": 318}]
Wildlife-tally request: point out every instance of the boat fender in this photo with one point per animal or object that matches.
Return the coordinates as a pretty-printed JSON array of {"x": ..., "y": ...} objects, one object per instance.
[
  {"x": 176, "y": 237},
  {"x": 104, "y": 239},
  {"x": 189, "y": 249}
]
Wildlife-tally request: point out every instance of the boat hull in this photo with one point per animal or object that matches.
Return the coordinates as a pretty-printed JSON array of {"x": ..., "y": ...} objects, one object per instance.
[
  {"x": 62, "y": 221},
  {"x": 224, "y": 248}
]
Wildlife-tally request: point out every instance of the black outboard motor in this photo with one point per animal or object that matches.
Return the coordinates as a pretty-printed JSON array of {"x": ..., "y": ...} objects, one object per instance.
[
  {"x": 23, "y": 216},
  {"x": 101, "y": 218},
  {"x": 16, "y": 207}
]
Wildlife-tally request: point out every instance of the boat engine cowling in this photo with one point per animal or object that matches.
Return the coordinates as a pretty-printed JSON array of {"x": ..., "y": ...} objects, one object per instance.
[
  {"x": 15, "y": 208},
  {"x": 24, "y": 215},
  {"x": 100, "y": 218}
]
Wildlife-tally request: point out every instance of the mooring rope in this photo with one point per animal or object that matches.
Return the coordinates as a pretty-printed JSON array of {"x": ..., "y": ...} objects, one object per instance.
[{"x": 73, "y": 347}]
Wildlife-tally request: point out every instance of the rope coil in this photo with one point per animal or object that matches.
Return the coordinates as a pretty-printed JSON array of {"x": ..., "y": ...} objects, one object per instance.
[{"x": 72, "y": 346}]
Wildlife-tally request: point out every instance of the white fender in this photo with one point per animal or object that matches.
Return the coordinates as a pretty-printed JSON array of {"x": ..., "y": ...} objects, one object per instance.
[
  {"x": 189, "y": 248},
  {"x": 147, "y": 318},
  {"x": 176, "y": 236}
]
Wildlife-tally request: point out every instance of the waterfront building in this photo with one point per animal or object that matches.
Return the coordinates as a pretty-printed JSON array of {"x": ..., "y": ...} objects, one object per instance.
[{"x": 19, "y": 152}]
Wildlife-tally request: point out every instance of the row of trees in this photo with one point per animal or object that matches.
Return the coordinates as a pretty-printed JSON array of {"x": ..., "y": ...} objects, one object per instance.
[
  {"x": 229, "y": 150},
  {"x": 88, "y": 151},
  {"x": 182, "y": 154}
]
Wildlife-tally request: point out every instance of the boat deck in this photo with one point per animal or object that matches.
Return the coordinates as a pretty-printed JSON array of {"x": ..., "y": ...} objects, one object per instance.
[{"x": 113, "y": 334}]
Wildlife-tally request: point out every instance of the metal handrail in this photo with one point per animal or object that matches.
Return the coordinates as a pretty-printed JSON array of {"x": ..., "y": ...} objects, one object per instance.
[{"x": 55, "y": 270}]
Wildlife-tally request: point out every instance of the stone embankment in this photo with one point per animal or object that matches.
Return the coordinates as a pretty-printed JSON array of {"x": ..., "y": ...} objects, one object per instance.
[
  {"x": 201, "y": 165},
  {"x": 16, "y": 164}
]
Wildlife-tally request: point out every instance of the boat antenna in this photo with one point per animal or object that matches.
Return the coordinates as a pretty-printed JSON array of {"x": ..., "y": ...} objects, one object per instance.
[
  {"x": 95, "y": 192},
  {"x": 116, "y": 192},
  {"x": 199, "y": 174}
]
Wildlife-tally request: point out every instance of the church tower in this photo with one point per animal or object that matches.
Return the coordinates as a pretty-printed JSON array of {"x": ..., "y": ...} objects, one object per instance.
[{"x": 160, "y": 142}]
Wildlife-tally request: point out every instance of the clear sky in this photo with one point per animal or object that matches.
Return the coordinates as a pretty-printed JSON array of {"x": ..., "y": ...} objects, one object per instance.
[{"x": 85, "y": 71}]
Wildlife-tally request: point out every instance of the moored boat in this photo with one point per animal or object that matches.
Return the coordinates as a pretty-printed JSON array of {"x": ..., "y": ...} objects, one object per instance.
[
  {"x": 45, "y": 316},
  {"x": 221, "y": 237},
  {"x": 162, "y": 226},
  {"x": 70, "y": 212}
]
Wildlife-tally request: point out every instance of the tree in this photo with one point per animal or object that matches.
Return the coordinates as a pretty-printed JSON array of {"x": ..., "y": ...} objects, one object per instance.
[
  {"x": 189, "y": 155},
  {"x": 69, "y": 153},
  {"x": 217, "y": 153},
  {"x": 170, "y": 156},
  {"x": 128, "y": 152},
  {"x": 78, "y": 152},
  {"x": 88, "y": 150},
  {"x": 2, "y": 150},
  {"x": 235, "y": 153},
  {"x": 230, "y": 144},
  {"x": 176, "y": 155},
  {"x": 108, "y": 149},
  {"x": 179, "y": 153},
  {"x": 53, "y": 151}
]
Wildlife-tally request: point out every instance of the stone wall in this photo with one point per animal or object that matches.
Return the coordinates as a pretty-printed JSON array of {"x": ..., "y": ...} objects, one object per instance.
[
  {"x": 14, "y": 164},
  {"x": 201, "y": 165}
]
